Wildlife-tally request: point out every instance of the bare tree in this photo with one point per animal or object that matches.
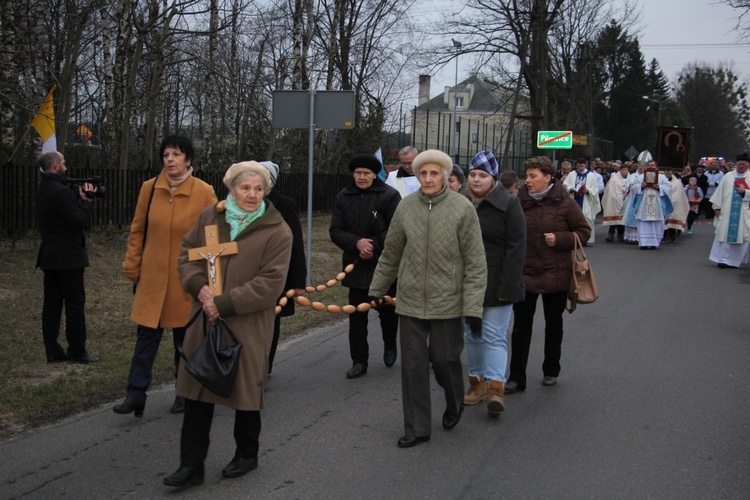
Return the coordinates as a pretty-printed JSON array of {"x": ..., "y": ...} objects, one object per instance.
[
  {"x": 135, "y": 69},
  {"x": 539, "y": 38},
  {"x": 743, "y": 24},
  {"x": 76, "y": 19},
  {"x": 366, "y": 50},
  {"x": 8, "y": 79}
]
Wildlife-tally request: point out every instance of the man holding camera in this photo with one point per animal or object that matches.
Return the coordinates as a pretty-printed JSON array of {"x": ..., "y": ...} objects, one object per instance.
[{"x": 63, "y": 215}]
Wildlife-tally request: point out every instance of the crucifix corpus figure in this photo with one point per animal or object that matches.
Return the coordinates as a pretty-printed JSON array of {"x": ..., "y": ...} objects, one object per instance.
[{"x": 211, "y": 253}]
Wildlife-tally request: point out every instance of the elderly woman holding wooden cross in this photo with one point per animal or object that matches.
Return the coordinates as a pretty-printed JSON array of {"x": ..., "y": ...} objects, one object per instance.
[{"x": 252, "y": 280}]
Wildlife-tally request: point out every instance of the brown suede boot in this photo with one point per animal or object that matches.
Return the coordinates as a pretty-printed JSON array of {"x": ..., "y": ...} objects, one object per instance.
[
  {"x": 495, "y": 400},
  {"x": 477, "y": 391}
]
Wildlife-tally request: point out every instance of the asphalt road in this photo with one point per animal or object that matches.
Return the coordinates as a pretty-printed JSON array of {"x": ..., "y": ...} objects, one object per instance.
[{"x": 652, "y": 402}]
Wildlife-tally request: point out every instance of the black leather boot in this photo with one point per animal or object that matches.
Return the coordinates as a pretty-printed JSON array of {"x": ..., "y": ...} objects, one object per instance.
[
  {"x": 178, "y": 406},
  {"x": 131, "y": 405}
]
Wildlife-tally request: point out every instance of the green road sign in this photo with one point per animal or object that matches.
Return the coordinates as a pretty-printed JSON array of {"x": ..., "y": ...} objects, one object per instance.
[{"x": 554, "y": 139}]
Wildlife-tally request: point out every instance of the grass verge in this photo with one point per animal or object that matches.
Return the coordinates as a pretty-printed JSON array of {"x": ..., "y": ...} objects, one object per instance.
[{"x": 35, "y": 393}]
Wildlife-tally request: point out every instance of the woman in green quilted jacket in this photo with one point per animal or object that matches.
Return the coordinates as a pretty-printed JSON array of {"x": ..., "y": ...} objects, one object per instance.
[{"x": 434, "y": 247}]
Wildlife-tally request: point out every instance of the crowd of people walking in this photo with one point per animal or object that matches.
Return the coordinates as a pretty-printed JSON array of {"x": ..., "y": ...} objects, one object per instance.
[{"x": 466, "y": 253}]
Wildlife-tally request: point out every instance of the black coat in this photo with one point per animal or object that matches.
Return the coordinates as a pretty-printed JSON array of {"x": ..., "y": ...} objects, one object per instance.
[
  {"x": 297, "y": 275},
  {"x": 703, "y": 182},
  {"x": 504, "y": 236},
  {"x": 362, "y": 214},
  {"x": 62, "y": 217}
]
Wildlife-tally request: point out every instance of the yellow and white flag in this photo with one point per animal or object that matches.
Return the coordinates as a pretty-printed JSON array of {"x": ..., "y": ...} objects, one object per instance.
[{"x": 44, "y": 123}]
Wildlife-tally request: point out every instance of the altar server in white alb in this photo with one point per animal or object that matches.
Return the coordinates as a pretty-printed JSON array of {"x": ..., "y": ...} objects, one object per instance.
[
  {"x": 403, "y": 180},
  {"x": 731, "y": 202},
  {"x": 584, "y": 189}
]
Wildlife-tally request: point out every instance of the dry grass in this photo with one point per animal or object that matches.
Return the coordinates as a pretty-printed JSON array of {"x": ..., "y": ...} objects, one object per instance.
[{"x": 34, "y": 393}]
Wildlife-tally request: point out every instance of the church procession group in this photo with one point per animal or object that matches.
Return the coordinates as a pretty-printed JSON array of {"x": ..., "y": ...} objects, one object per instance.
[
  {"x": 445, "y": 256},
  {"x": 644, "y": 205}
]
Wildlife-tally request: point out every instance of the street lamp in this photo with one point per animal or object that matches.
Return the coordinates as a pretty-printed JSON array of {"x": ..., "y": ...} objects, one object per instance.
[
  {"x": 457, "y": 46},
  {"x": 658, "y": 111}
]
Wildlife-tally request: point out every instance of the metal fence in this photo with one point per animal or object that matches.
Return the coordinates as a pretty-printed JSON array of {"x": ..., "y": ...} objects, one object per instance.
[
  {"x": 18, "y": 186},
  {"x": 434, "y": 130}
]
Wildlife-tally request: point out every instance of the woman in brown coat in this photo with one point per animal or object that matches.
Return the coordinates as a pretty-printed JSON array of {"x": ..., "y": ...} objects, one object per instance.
[
  {"x": 168, "y": 206},
  {"x": 253, "y": 280},
  {"x": 551, "y": 219}
]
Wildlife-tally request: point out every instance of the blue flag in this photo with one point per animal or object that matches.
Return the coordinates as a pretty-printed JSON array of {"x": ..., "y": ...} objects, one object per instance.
[{"x": 379, "y": 155}]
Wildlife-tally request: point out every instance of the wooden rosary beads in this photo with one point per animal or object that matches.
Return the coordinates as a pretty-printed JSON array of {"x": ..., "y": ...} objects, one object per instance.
[{"x": 331, "y": 308}]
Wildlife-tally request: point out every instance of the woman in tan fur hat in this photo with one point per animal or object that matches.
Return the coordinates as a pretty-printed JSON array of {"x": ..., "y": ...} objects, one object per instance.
[{"x": 434, "y": 245}]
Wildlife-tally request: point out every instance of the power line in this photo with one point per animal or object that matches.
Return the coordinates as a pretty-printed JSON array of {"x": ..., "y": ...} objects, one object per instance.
[{"x": 694, "y": 45}]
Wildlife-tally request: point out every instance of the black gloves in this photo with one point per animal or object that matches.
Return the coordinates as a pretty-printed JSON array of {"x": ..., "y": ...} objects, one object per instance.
[{"x": 475, "y": 324}]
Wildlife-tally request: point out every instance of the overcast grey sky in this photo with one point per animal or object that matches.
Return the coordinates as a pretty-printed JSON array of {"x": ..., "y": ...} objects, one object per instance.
[
  {"x": 697, "y": 30},
  {"x": 675, "y": 32}
]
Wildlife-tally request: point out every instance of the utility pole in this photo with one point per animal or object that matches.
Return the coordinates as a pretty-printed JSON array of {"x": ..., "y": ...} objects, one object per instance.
[{"x": 457, "y": 46}]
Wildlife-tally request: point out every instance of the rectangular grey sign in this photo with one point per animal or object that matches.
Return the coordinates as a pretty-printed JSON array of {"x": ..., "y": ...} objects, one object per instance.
[{"x": 334, "y": 109}]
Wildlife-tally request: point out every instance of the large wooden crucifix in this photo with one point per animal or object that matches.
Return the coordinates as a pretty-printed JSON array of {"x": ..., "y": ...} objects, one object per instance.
[{"x": 211, "y": 253}]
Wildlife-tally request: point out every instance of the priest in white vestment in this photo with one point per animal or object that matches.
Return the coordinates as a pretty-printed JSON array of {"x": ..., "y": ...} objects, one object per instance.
[
  {"x": 731, "y": 203},
  {"x": 631, "y": 224},
  {"x": 613, "y": 203},
  {"x": 651, "y": 207},
  {"x": 584, "y": 189}
]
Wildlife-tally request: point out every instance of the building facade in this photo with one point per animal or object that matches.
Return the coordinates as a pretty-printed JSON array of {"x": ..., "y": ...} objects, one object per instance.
[{"x": 471, "y": 117}]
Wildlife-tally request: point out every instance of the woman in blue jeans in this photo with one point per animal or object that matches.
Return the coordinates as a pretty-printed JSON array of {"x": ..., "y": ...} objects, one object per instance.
[{"x": 504, "y": 237}]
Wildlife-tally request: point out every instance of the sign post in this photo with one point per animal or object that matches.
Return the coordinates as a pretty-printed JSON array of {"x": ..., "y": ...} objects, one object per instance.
[
  {"x": 311, "y": 109},
  {"x": 554, "y": 139}
]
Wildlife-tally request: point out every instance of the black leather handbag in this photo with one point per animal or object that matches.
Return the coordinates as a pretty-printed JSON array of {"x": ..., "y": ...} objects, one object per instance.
[{"x": 212, "y": 366}]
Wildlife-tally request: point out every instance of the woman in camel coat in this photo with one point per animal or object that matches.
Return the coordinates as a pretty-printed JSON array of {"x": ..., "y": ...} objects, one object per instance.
[{"x": 172, "y": 202}]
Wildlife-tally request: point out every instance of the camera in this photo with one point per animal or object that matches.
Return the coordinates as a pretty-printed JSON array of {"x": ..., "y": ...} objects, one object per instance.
[{"x": 100, "y": 192}]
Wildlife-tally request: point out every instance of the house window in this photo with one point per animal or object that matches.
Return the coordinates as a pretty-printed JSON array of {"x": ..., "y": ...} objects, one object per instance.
[
  {"x": 459, "y": 101},
  {"x": 458, "y": 127}
]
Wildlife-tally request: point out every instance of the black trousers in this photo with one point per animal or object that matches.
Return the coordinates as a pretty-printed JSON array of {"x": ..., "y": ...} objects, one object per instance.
[
  {"x": 708, "y": 207},
  {"x": 274, "y": 341},
  {"x": 523, "y": 324},
  {"x": 438, "y": 342},
  {"x": 196, "y": 430},
  {"x": 142, "y": 363},
  {"x": 358, "y": 346},
  {"x": 64, "y": 288},
  {"x": 691, "y": 218},
  {"x": 620, "y": 229}
]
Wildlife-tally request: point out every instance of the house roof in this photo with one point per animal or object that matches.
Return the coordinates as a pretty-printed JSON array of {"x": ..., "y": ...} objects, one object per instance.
[{"x": 487, "y": 97}]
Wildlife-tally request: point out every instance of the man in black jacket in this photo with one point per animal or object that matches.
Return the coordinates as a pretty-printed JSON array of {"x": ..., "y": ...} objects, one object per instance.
[
  {"x": 297, "y": 275},
  {"x": 63, "y": 216},
  {"x": 362, "y": 214}
]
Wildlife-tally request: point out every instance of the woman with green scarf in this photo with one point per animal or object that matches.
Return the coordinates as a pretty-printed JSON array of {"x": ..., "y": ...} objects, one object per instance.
[{"x": 253, "y": 280}]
